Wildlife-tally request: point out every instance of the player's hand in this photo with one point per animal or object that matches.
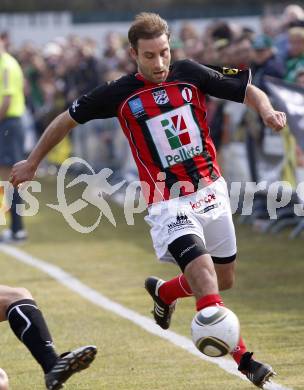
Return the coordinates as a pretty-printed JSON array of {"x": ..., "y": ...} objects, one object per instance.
[
  {"x": 276, "y": 120},
  {"x": 21, "y": 172}
]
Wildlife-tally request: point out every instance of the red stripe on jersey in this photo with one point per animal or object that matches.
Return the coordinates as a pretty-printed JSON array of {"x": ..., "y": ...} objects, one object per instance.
[
  {"x": 143, "y": 147},
  {"x": 198, "y": 102},
  {"x": 152, "y": 109},
  {"x": 176, "y": 100},
  {"x": 205, "y": 166},
  {"x": 147, "y": 170},
  {"x": 149, "y": 104}
]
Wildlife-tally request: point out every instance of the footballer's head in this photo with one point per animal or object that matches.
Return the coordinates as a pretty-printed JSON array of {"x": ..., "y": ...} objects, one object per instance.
[{"x": 149, "y": 39}]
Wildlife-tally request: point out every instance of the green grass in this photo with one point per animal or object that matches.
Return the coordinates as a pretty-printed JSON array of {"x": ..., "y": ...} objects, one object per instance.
[{"x": 268, "y": 298}]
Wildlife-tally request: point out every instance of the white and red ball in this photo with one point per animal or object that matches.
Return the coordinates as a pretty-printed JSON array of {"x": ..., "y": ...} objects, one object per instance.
[{"x": 215, "y": 331}]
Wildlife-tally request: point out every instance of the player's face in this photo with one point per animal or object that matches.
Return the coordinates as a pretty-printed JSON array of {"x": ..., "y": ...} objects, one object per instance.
[{"x": 153, "y": 58}]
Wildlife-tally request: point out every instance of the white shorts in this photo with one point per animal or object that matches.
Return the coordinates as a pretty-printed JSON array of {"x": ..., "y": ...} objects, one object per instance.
[{"x": 206, "y": 213}]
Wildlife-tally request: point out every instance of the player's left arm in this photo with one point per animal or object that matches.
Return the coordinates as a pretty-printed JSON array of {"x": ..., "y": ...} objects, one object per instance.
[
  {"x": 234, "y": 84},
  {"x": 258, "y": 100}
]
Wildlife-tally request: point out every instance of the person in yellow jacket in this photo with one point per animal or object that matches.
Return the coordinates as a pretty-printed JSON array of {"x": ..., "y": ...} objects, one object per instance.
[{"x": 12, "y": 107}]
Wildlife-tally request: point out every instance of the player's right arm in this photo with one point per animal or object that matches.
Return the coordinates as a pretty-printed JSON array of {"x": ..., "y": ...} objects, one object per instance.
[
  {"x": 54, "y": 133},
  {"x": 102, "y": 102}
]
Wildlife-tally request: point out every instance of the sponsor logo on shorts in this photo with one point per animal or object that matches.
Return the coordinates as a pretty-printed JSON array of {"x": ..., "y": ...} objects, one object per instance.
[
  {"x": 181, "y": 222},
  {"x": 202, "y": 202},
  {"x": 208, "y": 208}
]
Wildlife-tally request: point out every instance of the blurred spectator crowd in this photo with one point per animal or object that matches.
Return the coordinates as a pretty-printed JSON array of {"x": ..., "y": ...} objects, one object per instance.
[{"x": 70, "y": 66}]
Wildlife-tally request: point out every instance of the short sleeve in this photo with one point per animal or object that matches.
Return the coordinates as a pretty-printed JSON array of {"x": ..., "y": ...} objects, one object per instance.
[
  {"x": 221, "y": 82},
  {"x": 100, "y": 103}
]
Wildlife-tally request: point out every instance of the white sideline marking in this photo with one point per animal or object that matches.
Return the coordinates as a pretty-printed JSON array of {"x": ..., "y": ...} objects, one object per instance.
[{"x": 146, "y": 323}]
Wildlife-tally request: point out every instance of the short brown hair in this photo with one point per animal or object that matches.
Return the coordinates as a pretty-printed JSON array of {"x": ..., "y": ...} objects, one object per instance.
[{"x": 147, "y": 25}]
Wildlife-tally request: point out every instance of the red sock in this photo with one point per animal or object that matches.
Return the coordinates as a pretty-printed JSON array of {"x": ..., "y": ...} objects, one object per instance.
[
  {"x": 209, "y": 300},
  {"x": 175, "y": 288},
  {"x": 238, "y": 351}
]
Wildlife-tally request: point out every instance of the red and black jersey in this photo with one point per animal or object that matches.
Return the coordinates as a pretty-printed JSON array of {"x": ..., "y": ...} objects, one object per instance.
[{"x": 166, "y": 123}]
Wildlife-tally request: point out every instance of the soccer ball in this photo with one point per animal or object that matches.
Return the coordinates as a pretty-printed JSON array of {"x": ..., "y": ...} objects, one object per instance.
[{"x": 215, "y": 331}]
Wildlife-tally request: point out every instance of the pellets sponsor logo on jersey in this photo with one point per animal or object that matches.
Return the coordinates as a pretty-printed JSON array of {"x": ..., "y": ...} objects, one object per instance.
[
  {"x": 176, "y": 135},
  {"x": 230, "y": 71},
  {"x": 75, "y": 105},
  {"x": 202, "y": 201},
  {"x": 181, "y": 222},
  {"x": 160, "y": 96},
  {"x": 176, "y": 131},
  {"x": 187, "y": 94},
  {"x": 136, "y": 107}
]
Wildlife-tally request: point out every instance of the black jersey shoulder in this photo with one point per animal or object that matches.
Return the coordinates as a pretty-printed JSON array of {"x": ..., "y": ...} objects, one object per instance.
[
  {"x": 188, "y": 70},
  {"x": 104, "y": 101},
  {"x": 221, "y": 82}
]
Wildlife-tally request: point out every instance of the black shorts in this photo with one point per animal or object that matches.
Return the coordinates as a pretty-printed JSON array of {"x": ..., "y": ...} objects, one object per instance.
[{"x": 11, "y": 141}]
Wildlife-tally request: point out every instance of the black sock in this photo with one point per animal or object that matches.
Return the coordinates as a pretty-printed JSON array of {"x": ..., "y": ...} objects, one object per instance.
[
  {"x": 28, "y": 324},
  {"x": 16, "y": 218}
]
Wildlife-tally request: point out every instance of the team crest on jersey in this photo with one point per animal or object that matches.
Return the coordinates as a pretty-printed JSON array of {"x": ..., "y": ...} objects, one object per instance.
[
  {"x": 160, "y": 96},
  {"x": 187, "y": 94}
]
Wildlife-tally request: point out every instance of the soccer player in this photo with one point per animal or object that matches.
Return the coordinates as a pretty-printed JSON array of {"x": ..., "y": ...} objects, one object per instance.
[
  {"x": 162, "y": 111},
  {"x": 27, "y": 322}
]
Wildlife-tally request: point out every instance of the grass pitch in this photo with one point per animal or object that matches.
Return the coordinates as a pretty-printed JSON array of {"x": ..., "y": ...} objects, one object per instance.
[{"x": 268, "y": 298}]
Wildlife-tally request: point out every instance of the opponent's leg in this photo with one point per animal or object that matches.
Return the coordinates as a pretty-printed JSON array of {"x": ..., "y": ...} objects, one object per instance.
[{"x": 29, "y": 326}]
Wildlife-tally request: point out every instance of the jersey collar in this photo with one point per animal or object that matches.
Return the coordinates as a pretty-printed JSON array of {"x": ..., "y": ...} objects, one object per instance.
[{"x": 147, "y": 82}]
